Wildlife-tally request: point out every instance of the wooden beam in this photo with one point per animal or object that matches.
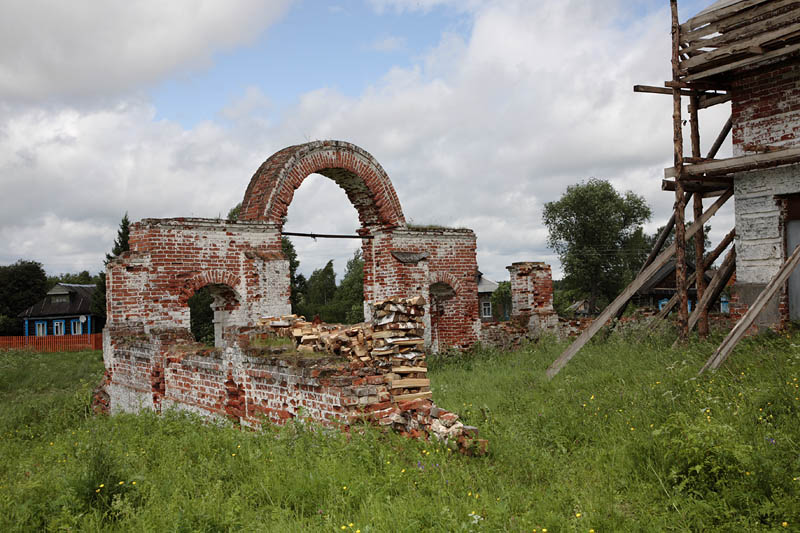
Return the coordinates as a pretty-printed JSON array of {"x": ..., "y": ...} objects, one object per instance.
[
  {"x": 707, "y": 262},
  {"x": 748, "y": 30},
  {"x": 719, "y": 14},
  {"x": 680, "y": 201},
  {"x": 723, "y": 134},
  {"x": 712, "y": 99},
  {"x": 729, "y": 24},
  {"x": 737, "y": 164},
  {"x": 741, "y": 327},
  {"x": 739, "y": 47},
  {"x": 715, "y": 287},
  {"x": 658, "y": 90},
  {"x": 741, "y": 63},
  {"x": 699, "y": 238},
  {"x": 662, "y": 238},
  {"x": 697, "y": 186},
  {"x": 630, "y": 290}
]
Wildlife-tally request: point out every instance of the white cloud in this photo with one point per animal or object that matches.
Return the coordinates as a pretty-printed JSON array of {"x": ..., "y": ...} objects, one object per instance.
[
  {"x": 479, "y": 133},
  {"x": 90, "y": 49}
]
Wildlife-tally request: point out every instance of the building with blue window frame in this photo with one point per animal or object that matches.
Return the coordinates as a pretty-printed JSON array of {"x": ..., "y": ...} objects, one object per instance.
[{"x": 65, "y": 310}]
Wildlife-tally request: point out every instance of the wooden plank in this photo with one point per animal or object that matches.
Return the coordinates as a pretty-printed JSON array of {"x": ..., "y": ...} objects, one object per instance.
[
  {"x": 406, "y": 397},
  {"x": 723, "y": 134},
  {"x": 746, "y": 31},
  {"x": 626, "y": 295},
  {"x": 410, "y": 383},
  {"x": 708, "y": 261},
  {"x": 741, "y": 63},
  {"x": 719, "y": 14},
  {"x": 738, "y": 47},
  {"x": 715, "y": 287},
  {"x": 711, "y": 99},
  {"x": 657, "y": 90},
  {"x": 408, "y": 369},
  {"x": 741, "y": 327},
  {"x": 731, "y": 23},
  {"x": 697, "y": 187},
  {"x": 737, "y": 164}
]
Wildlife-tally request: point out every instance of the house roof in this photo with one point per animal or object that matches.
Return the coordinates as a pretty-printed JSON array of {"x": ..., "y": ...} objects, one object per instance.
[
  {"x": 485, "y": 284},
  {"x": 78, "y": 303}
]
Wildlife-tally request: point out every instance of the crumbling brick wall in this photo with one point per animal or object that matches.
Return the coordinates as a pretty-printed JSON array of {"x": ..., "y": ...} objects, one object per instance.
[
  {"x": 766, "y": 113},
  {"x": 150, "y": 356},
  {"x": 532, "y": 296}
]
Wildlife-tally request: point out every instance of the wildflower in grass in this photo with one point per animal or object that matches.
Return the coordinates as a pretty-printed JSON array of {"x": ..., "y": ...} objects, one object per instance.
[
  {"x": 343, "y": 528},
  {"x": 350, "y": 524},
  {"x": 577, "y": 515},
  {"x": 785, "y": 524},
  {"x": 344, "y": 487},
  {"x": 121, "y": 483}
]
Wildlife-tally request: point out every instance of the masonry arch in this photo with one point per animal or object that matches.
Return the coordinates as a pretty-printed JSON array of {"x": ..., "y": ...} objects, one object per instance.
[
  {"x": 214, "y": 306},
  {"x": 366, "y": 184}
]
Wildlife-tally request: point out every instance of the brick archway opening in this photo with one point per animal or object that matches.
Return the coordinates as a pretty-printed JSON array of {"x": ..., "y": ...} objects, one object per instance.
[
  {"x": 211, "y": 327},
  {"x": 364, "y": 181}
]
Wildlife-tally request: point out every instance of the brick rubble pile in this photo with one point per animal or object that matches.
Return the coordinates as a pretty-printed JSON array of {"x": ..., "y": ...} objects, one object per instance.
[{"x": 388, "y": 357}]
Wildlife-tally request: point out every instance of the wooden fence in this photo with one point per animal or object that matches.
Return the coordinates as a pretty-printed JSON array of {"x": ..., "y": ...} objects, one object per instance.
[{"x": 54, "y": 343}]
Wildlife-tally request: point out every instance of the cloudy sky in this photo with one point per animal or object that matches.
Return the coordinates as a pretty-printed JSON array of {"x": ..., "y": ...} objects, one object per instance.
[{"x": 480, "y": 112}]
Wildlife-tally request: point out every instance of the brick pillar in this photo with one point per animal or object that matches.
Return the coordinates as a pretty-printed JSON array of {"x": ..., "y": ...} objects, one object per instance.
[{"x": 532, "y": 295}]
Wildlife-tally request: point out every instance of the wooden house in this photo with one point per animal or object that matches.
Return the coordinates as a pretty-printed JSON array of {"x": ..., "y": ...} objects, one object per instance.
[{"x": 65, "y": 310}]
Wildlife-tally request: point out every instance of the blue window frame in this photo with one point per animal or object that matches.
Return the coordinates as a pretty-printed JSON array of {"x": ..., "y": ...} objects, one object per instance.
[
  {"x": 41, "y": 328},
  {"x": 59, "y": 327},
  {"x": 75, "y": 327}
]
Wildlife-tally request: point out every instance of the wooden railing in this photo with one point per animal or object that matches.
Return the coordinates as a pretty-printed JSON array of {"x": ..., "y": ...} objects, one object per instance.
[{"x": 54, "y": 343}]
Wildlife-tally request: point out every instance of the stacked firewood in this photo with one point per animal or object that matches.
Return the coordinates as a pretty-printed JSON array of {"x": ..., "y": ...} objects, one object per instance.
[
  {"x": 394, "y": 337},
  {"x": 389, "y": 354}
]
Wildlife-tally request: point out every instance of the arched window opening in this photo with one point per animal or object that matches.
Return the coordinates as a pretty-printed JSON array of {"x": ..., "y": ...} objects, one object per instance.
[
  {"x": 326, "y": 275},
  {"x": 440, "y": 293},
  {"x": 210, "y": 309}
]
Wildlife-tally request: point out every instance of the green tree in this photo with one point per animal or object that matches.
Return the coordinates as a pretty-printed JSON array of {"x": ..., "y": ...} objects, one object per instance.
[
  {"x": 121, "y": 245},
  {"x": 201, "y": 316},
  {"x": 319, "y": 295},
  {"x": 295, "y": 281},
  {"x": 22, "y": 284},
  {"x": 593, "y": 230},
  {"x": 233, "y": 214},
  {"x": 501, "y": 301},
  {"x": 349, "y": 298},
  {"x": 81, "y": 278}
]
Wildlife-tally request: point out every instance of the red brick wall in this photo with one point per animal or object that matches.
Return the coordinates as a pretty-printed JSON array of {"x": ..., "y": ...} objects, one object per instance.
[
  {"x": 766, "y": 106},
  {"x": 363, "y": 179},
  {"x": 170, "y": 259}
]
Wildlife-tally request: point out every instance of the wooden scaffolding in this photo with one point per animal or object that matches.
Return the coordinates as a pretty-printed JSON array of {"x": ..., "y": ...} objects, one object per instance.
[{"x": 707, "y": 51}]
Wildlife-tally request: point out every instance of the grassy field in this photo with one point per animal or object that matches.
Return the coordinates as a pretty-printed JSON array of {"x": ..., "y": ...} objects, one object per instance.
[{"x": 626, "y": 438}]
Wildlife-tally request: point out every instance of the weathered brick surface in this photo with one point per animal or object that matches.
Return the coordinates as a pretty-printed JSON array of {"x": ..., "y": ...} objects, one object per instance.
[
  {"x": 766, "y": 113},
  {"x": 363, "y": 179},
  {"x": 152, "y": 361},
  {"x": 532, "y": 295}
]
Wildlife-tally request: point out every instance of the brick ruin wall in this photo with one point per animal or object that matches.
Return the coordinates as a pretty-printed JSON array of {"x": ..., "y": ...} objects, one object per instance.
[
  {"x": 150, "y": 356},
  {"x": 369, "y": 373},
  {"x": 766, "y": 112}
]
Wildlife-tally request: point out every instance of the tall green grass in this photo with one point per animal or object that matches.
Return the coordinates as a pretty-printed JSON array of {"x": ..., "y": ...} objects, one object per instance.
[{"x": 625, "y": 438}]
